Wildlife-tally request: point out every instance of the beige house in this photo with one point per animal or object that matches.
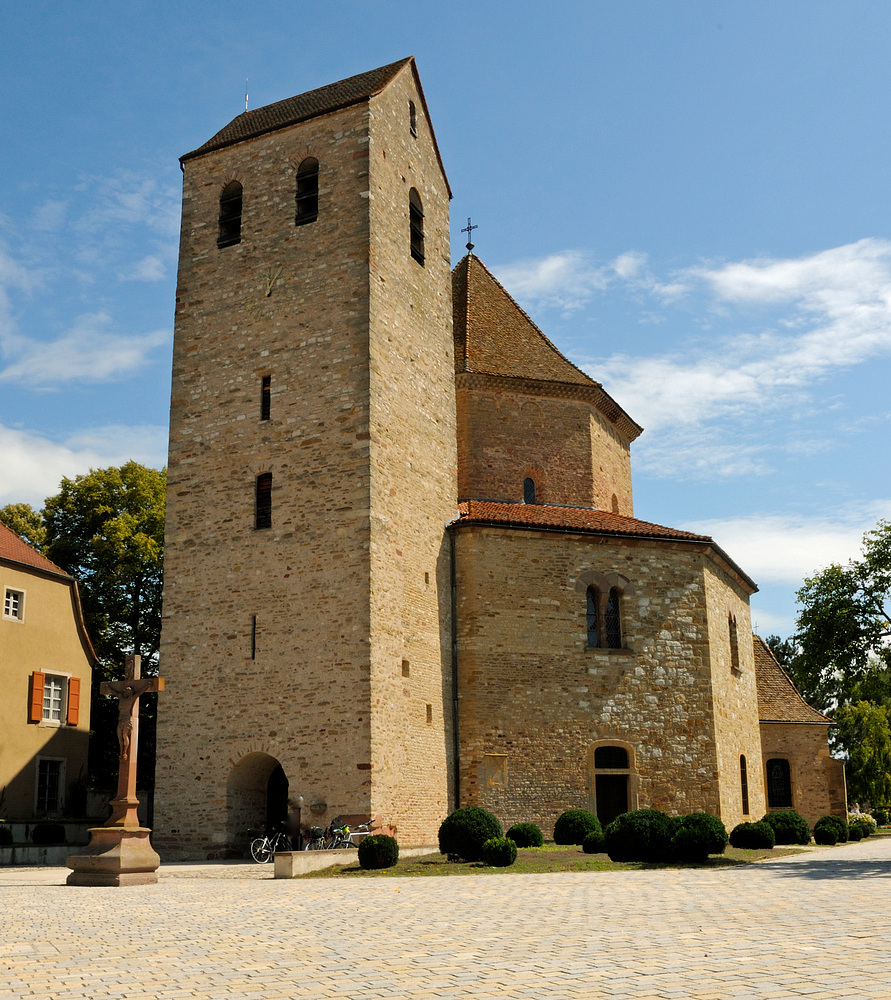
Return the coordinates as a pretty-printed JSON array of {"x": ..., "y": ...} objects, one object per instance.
[
  {"x": 46, "y": 662},
  {"x": 403, "y": 570}
]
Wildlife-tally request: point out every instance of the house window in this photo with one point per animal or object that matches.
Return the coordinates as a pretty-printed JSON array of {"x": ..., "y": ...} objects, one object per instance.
[
  {"x": 263, "y": 505},
  {"x": 604, "y": 619},
  {"x": 14, "y": 604},
  {"x": 416, "y": 225},
  {"x": 265, "y": 397},
  {"x": 307, "y": 196},
  {"x": 230, "y": 215},
  {"x": 744, "y": 784},
  {"x": 53, "y": 688},
  {"x": 734, "y": 644},
  {"x": 779, "y": 784},
  {"x": 528, "y": 491},
  {"x": 412, "y": 119},
  {"x": 50, "y": 774}
]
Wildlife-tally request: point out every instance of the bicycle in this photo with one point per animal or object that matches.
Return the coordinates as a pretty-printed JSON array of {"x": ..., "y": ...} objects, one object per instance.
[
  {"x": 315, "y": 839},
  {"x": 262, "y": 848},
  {"x": 337, "y": 837},
  {"x": 362, "y": 830}
]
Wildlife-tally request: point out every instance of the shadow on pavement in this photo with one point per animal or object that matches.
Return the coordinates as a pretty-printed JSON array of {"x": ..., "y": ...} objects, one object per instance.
[{"x": 834, "y": 868}]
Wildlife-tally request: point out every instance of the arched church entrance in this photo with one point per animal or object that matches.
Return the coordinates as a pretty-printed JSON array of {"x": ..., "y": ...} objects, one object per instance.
[
  {"x": 613, "y": 780},
  {"x": 256, "y": 796}
]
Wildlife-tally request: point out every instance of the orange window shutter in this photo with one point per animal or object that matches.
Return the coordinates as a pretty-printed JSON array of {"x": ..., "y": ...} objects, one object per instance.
[
  {"x": 35, "y": 707},
  {"x": 73, "y": 700}
]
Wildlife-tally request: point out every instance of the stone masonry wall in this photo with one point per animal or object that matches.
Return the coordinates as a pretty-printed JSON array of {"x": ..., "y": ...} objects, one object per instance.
[
  {"x": 818, "y": 781},
  {"x": 290, "y": 302},
  {"x": 575, "y": 456},
  {"x": 534, "y": 698}
]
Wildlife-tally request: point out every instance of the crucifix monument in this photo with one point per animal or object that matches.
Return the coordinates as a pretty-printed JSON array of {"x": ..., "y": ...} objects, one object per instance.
[{"x": 119, "y": 852}]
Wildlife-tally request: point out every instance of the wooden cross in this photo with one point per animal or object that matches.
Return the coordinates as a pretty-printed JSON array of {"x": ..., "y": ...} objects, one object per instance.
[{"x": 127, "y": 692}]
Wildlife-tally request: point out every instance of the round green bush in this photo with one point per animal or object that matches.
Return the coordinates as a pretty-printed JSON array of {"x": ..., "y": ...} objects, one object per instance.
[
  {"x": 841, "y": 828},
  {"x": 696, "y": 836},
  {"x": 642, "y": 835},
  {"x": 789, "y": 827},
  {"x": 378, "y": 851},
  {"x": 826, "y": 831},
  {"x": 866, "y": 828},
  {"x": 594, "y": 842},
  {"x": 753, "y": 836},
  {"x": 855, "y": 831},
  {"x": 574, "y": 825},
  {"x": 5, "y": 836},
  {"x": 526, "y": 835},
  {"x": 500, "y": 852},
  {"x": 48, "y": 833},
  {"x": 463, "y": 833},
  {"x": 880, "y": 816}
]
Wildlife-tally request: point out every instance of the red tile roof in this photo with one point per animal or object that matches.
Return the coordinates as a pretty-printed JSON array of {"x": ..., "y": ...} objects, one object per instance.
[
  {"x": 778, "y": 698},
  {"x": 539, "y": 515},
  {"x": 15, "y": 549},
  {"x": 493, "y": 336}
]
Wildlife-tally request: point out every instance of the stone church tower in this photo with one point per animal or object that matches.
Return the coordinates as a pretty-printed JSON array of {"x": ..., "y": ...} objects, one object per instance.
[{"x": 312, "y": 468}]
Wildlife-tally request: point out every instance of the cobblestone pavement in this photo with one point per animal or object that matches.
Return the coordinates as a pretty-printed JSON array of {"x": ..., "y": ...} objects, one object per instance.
[{"x": 815, "y": 925}]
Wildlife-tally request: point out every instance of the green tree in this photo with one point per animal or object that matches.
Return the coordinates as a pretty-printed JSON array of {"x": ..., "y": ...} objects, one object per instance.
[
  {"x": 106, "y": 528},
  {"x": 26, "y": 522},
  {"x": 844, "y": 626},
  {"x": 862, "y": 734}
]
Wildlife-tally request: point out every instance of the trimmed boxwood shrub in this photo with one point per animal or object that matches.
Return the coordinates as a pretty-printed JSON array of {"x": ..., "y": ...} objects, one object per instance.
[
  {"x": 841, "y": 828},
  {"x": 574, "y": 825},
  {"x": 880, "y": 816},
  {"x": 753, "y": 836},
  {"x": 789, "y": 827},
  {"x": 696, "y": 836},
  {"x": 855, "y": 831},
  {"x": 825, "y": 831},
  {"x": 594, "y": 843},
  {"x": 642, "y": 835},
  {"x": 378, "y": 851},
  {"x": 48, "y": 833},
  {"x": 500, "y": 852},
  {"x": 5, "y": 836},
  {"x": 526, "y": 835},
  {"x": 866, "y": 828},
  {"x": 463, "y": 833}
]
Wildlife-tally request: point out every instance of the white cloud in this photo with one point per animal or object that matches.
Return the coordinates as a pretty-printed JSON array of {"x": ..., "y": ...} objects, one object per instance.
[
  {"x": 150, "y": 268},
  {"x": 127, "y": 199},
  {"x": 33, "y": 465},
  {"x": 784, "y": 548},
  {"x": 88, "y": 352}
]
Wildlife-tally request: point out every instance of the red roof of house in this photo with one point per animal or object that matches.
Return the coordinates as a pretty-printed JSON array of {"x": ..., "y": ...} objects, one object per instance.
[
  {"x": 778, "y": 698},
  {"x": 17, "y": 550}
]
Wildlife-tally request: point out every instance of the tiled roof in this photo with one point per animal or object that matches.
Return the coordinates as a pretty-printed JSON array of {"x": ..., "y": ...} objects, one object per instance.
[
  {"x": 493, "y": 336},
  {"x": 539, "y": 515},
  {"x": 778, "y": 698},
  {"x": 302, "y": 107},
  {"x": 15, "y": 549}
]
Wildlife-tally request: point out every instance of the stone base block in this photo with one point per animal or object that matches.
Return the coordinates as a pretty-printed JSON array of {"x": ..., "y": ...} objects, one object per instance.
[{"x": 115, "y": 855}]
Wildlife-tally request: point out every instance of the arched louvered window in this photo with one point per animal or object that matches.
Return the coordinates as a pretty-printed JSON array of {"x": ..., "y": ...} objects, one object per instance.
[
  {"x": 593, "y": 598},
  {"x": 263, "y": 503},
  {"x": 779, "y": 784},
  {"x": 230, "y": 215},
  {"x": 528, "y": 490},
  {"x": 307, "y": 192},
  {"x": 416, "y": 225},
  {"x": 744, "y": 784},
  {"x": 613, "y": 621}
]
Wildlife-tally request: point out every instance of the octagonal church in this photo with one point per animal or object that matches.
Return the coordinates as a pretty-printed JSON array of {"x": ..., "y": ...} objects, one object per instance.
[{"x": 403, "y": 571}]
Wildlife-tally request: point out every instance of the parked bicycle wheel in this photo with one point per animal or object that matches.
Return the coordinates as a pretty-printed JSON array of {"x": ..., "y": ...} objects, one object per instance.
[
  {"x": 281, "y": 842},
  {"x": 260, "y": 850}
]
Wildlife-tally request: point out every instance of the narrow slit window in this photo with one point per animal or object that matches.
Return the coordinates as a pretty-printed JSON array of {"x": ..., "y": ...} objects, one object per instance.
[
  {"x": 412, "y": 119},
  {"x": 734, "y": 644},
  {"x": 593, "y": 600},
  {"x": 307, "y": 192},
  {"x": 744, "y": 784},
  {"x": 416, "y": 225},
  {"x": 253, "y": 637},
  {"x": 613, "y": 621},
  {"x": 528, "y": 491},
  {"x": 263, "y": 506},
  {"x": 265, "y": 397},
  {"x": 230, "y": 215}
]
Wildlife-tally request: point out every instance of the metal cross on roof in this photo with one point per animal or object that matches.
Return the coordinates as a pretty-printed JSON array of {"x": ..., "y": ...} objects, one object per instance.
[{"x": 469, "y": 230}]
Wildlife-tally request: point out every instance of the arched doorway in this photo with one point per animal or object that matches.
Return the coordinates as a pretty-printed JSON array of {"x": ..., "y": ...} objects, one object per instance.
[
  {"x": 256, "y": 797},
  {"x": 613, "y": 784}
]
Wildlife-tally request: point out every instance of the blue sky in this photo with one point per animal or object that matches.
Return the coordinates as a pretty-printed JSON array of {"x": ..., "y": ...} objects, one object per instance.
[{"x": 691, "y": 200}]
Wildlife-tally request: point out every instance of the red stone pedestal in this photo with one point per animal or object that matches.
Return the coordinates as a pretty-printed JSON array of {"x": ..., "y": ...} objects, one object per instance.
[{"x": 115, "y": 855}]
